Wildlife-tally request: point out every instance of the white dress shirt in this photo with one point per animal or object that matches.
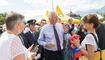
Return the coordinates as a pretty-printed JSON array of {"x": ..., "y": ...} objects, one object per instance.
[{"x": 47, "y": 35}]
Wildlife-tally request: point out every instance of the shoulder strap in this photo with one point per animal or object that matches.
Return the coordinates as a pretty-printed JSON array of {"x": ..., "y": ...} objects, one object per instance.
[
  {"x": 95, "y": 39},
  {"x": 97, "y": 45}
]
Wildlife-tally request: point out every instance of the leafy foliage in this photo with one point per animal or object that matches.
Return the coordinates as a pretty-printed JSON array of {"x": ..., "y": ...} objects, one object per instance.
[
  {"x": 2, "y": 17},
  {"x": 101, "y": 20}
]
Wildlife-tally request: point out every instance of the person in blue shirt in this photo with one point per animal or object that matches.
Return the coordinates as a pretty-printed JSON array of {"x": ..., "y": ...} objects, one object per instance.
[{"x": 51, "y": 38}]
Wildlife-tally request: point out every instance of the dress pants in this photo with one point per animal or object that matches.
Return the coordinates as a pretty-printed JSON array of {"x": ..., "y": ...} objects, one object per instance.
[
  {"x": 42, "y": 54},
  {"x": 54, "y": 55}
]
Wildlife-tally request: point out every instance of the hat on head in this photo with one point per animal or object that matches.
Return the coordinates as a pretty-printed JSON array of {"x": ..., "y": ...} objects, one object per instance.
[{"x": 32, "y": 21}]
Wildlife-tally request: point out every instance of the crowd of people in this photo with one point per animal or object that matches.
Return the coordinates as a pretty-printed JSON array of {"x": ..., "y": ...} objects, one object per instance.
[{"x": 49, "y": 41}]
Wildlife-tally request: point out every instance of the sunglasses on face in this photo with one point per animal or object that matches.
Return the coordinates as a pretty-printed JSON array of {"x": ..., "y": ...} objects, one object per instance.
[{"x": 43, "y": 23}]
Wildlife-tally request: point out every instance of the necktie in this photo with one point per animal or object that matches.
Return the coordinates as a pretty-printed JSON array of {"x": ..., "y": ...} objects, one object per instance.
[{"x": 57, "y": 39}]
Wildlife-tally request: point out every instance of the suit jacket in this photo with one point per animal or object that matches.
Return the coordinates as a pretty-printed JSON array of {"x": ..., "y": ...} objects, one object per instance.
[
  {"x": 32, "y": 37},
  {"x": 0, "y": 30},
  {"x": 71, "y": 29},
  {"x": 101, "y": 35},
  {"x": 36, "y": 36},
  {"x": 82, "y": 35},
  {"x": 24, "y": 40}
]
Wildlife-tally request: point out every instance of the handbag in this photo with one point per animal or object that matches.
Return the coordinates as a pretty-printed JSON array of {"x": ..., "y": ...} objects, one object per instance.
[
  {"x": 103, "y": 54},
  {"x": 97, "y": 54}
]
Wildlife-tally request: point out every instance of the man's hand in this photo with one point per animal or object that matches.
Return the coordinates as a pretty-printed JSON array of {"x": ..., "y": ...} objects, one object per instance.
[
  {"x": 50, "y": 44},
  {"x": 34, "y": 54}
]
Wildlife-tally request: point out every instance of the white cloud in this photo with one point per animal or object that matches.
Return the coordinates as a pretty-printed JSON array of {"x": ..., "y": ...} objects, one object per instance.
[
  {"x": 28, "y": 1},
  {"x": 80, "y": 5},
  {"x": 65, "y": 5},
  {"x": 40, "y": 6},
  {"x": 3, "y": 3},
  {"x": 75, "y": 5},
  {"x": 32, "y": 14}
]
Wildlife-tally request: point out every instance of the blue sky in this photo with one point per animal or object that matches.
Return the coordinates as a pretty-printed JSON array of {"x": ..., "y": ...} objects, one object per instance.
[{"x": 37, "y": 8}]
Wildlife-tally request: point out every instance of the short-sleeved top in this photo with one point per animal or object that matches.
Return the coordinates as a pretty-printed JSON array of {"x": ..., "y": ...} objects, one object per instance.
[
  {"x": 11, "y": 46},
  {"x": 89, "y": 39}
]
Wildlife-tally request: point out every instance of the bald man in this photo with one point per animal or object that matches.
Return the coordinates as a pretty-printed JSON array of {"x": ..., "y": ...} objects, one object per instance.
[{"x": 51, "y": 38}]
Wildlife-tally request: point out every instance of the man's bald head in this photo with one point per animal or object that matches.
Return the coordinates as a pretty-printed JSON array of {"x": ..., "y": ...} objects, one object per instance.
[{"x": 53, "y": 17}]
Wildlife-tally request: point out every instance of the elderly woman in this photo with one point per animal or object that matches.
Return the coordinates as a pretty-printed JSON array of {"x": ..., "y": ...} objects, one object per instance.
[
  {"x": 11, "y": 47},
  {"x": 88, "y": 45}
]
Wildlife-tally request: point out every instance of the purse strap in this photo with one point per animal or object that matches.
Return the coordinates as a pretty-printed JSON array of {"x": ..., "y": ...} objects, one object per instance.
[
  {"x": 96, "y": 41},
  {"x": 98, "y": 49}
]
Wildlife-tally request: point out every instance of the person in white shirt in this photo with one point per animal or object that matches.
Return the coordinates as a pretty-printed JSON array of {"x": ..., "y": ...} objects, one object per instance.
[
  {"x": 88, "y": 45},
  {"x": 11, "y": 47},
  {"x": 51, "y": 38}
]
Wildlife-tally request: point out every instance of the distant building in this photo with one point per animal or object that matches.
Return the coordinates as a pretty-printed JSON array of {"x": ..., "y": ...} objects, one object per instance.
[{"x": 73, "y": 15}]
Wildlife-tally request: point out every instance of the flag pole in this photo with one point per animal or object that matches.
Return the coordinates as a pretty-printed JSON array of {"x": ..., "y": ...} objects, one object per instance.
[{"x": 52, "y": 5}]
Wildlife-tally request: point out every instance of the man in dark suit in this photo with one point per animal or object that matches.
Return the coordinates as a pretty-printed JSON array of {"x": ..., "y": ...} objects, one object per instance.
[
  {"x": 32, "y": 35},
  {"x": 29, "y": 38},
  {"x": 24, "y": 40},
  {"x": 101, "y": 35},
  {"x": 71, "y": 26}
]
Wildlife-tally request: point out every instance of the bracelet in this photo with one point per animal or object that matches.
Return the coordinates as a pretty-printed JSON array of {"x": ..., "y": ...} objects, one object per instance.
[{"x": 79, "y": 47}]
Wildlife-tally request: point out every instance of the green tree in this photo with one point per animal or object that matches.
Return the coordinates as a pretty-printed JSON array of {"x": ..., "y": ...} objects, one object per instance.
[
  {"x": 2, "y": 17},
  {"x": 104, "y": 17},
  {"x": 101, "y": 20}
]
